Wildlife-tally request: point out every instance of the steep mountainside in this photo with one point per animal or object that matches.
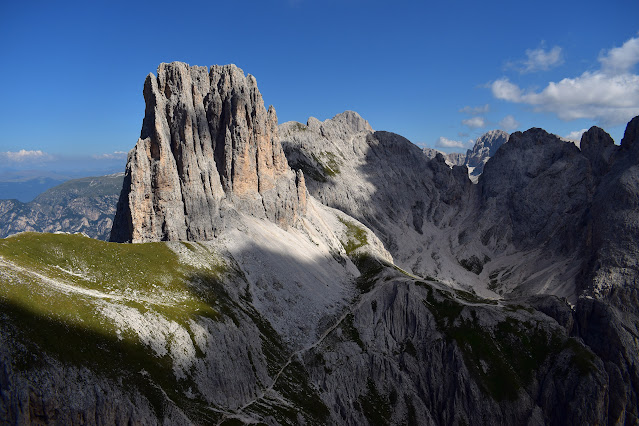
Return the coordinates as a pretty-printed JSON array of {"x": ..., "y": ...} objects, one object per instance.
[
  {"x": 240, "y": 329},
  {"x": 370, "y": 286},
  {"x": 544, "y": 218},
  {"x": 207, "y": 145},
  {"x": 84, "y": 205}
]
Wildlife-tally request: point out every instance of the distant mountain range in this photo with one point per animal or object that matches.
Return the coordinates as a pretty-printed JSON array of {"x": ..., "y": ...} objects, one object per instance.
[
  {"x": 26, "y": 185},
  {"x": 84, "y": 205},
  {"x": 485, "y": 147}
]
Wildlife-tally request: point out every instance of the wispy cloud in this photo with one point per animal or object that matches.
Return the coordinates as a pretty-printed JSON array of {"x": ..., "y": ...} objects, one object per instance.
[
  {"x": 478, "y": 110},
  {"x": 508, "y": 123},
  {"x": 575, "y": 135},
  {"x": 116, "y": 155},
  {"x": 542, "y": 60},
  {"x": 475, "y": 122},
  {"x": 539, "y": 59},
  {"x": 610, "y": 94},
  {"x": 25, "y": 156},
  {"x": 443, "y": 142}
]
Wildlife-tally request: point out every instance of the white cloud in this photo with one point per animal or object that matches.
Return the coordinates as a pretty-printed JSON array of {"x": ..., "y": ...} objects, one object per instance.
[
  {"x": 474, "y": 122},
  {"x": 575, "y": 135},
  {"x": 541, "y": 59},
  {"x": 24, "y": 156},
  {"x": 508, "y": 123},
  {"x": 610, "y": 95},
  {"x": 116, "y": 155},
  {"x": 475, "y": 110},
  {"x": 504, "y": 89},
  {"x": 620, "y": 60},
  {"x": 443, "y": 142}
]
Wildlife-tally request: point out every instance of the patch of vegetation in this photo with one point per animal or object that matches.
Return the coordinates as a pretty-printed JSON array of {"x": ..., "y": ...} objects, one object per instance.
[
  {"x": 369, "y": 268},
  {"x": 504, "y": 359},
  {"x": 409, "y": 348},
  {"x": 188, "y": 245},
  {"x": 310, "y": 171},
  {"x": 375, "y": 407},
  {"x": 473, "y": 298},
  {"x": 355, "y": 236},
  {"x": 350, "y": 332},
  {"x": 126, "y": 359},
  {"x": 143, "y": 276},
  {"x": 582, "y": 358},
  {"x": 272, "y": 346},
  {"x": 294, "y": 384},
  {"x": 329, "y": 163},
  {"x": 474, "y": 264},
  {"x": 516, "y": 307},
  {"x": 443, "y": 307},
  {"x": 299, "y": 127}
]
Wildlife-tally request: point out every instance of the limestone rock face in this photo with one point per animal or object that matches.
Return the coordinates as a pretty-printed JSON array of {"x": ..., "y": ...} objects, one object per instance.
[
  {"x": 516, "y": 181},
  {"x": 452, "y": 159},
  {"x": 384, "y": 181},
  {"x": 485, "y": 147},
  {"x": 208, "y": 146}
]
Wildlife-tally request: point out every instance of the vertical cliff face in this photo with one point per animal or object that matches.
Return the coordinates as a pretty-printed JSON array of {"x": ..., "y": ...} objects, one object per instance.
[{"x": 208, "y": 146}]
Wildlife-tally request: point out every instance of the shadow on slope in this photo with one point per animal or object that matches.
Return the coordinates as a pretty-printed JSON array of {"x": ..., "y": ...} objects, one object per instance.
[{"x": 380, "y": 357}]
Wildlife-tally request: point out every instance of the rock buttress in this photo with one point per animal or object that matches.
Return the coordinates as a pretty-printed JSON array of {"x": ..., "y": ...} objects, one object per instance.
[{"x": 208, "y": 145}]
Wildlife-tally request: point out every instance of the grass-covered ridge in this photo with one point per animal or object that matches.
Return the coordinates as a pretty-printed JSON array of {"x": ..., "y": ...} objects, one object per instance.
[
  {"x": 65, "y": 268},
  {"x": 355, "y": 236},
  {"x": 127, "y": 311}
]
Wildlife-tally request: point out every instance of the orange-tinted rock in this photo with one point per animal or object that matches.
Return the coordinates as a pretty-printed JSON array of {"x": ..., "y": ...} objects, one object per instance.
[{"x": 207, "y": 145}]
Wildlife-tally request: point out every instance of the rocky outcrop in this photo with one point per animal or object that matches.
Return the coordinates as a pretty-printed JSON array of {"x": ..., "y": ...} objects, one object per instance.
[
  {"x": 515, "y": 195},
  {"x": 485, "y": 147},
  {"x": 208, "y": 148},
  {"x": 452, "y": 159}
]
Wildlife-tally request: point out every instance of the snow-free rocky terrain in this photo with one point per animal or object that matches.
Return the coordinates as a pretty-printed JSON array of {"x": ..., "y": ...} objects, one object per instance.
[
  {"x": 85, "y": 205},
  {"x": 327, "y": 273}
]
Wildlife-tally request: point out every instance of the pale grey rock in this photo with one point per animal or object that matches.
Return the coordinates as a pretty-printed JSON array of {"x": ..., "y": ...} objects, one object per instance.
[
  {"x": 485, "y": 147},
  {"x": 452, "y": 159},
  {"x": 207, "y": 145},
  {"x": 474, "y": 159},
  {"x": 456, "y": 159}
]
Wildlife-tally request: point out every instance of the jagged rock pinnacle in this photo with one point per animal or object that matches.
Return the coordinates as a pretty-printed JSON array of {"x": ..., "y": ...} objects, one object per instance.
[{"x": 207, "y": 145}]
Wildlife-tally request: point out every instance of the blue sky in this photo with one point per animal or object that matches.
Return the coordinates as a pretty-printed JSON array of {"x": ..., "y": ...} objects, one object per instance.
[{"x": 438, "y": 73}]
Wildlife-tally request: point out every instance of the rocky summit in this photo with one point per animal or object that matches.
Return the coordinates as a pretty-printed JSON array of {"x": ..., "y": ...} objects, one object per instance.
[
  {"x": 208, "y": 147},
  {"x": 329, "y": 273}
]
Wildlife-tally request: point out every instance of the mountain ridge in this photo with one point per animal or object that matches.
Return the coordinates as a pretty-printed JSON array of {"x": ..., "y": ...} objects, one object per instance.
[{"x": 398, "y": 271}]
